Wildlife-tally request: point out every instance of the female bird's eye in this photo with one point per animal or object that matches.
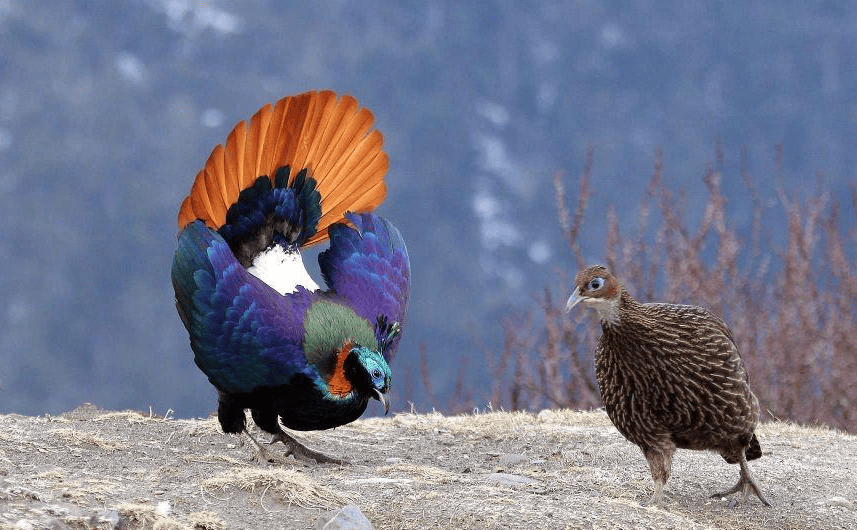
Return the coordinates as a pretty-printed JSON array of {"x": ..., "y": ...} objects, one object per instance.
[{"x": 596, "y": 284}]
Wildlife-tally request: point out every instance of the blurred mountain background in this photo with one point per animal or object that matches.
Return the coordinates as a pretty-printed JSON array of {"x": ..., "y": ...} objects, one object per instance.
[{"x": 109, "y": 109}]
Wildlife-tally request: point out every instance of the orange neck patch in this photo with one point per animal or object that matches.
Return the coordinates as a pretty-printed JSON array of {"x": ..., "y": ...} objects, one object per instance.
[{"x": 338, "y": 384}]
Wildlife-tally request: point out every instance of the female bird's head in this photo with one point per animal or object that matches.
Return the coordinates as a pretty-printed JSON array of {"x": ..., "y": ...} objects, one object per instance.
[
  {"x": 367, "y": 370},
  {"x": 597, "y": 288}
]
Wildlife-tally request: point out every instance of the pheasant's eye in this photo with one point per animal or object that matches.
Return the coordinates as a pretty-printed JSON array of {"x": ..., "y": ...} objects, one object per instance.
[{"x": 596, "y": 284}]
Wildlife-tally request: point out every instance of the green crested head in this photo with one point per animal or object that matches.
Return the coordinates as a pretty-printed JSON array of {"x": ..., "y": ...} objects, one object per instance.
[
  {"x": 343, "y": 347},
  {"x": 369, "y": 372},
  {"x": 328, "y": 325}
]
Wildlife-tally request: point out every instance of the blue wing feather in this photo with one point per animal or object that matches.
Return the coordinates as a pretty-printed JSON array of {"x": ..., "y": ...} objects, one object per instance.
[
  {"x": 369, "y": 266},
  {"x": 243, "y": 333}
]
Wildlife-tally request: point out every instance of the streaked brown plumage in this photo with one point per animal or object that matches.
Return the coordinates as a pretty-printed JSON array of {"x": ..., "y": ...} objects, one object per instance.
[{"x": 671, "y": 377}]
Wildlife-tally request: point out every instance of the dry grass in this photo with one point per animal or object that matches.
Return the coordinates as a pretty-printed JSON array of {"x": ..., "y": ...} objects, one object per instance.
[
  {"x": 143, "y": 516},
  {"x": 425, "y": 474},
  {"x": 73, "y": 437},
  {"x": 785, "y": 280},
  {"x": 206, "y": 520},
  {"x": 552, "y": 469},
  {"x": 130, "y": 416},
  {"x": 204, "y": 427},
  {"x": 285, "y": 485},
  {"x": 211, "y": 458}
]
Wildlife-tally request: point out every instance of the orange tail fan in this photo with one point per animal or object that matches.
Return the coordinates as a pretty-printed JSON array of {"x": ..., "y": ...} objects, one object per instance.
[{"x": 333, "y": 139}]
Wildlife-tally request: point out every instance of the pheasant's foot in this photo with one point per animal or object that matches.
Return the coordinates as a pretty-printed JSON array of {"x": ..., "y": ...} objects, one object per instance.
[
  {"x": 745, "y": 484},
  {"x": 739, "y": 486},
  {"x": 657, "y": 499},
  {"x": 301, "y": 452},
  {"x": 734, "y": 489},
  {"x": 262, "y": 455}
]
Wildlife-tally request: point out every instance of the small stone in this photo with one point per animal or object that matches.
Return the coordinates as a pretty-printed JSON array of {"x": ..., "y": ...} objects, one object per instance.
[
  {"x": 841, "y": 502},
  {"x": 57, "y": 510},
  {"x": 511, "y": 459},
  {"x": 347, "y": 518},
  {"x": 509, "y": 479},
  {"x": 111, "y": 517},
  {"x": 393, "y": 460},
  {"x": 383, "y": 480}
]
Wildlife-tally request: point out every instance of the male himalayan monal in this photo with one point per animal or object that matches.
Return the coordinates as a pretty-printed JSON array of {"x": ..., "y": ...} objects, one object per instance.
[{"x": 268, "y": 338}]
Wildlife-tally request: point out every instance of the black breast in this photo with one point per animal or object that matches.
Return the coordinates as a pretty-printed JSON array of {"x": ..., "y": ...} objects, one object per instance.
[{"x": 300, "y": 406}]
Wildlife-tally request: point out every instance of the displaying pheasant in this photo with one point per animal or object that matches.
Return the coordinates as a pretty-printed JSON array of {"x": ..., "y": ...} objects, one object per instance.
[
  {"x": 671, "y": 377},
  {"x": 263, "y": 332}
]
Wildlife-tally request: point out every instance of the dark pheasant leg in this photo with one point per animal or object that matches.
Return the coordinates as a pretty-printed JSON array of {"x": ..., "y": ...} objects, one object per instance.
[
  {"x": 233, "y": 421},
  {"x": 302, "y": 452},
  {"x": 745, "y": 483},
  {"x": 268, "y": 422},
  {"x": 262, "y": 455}
]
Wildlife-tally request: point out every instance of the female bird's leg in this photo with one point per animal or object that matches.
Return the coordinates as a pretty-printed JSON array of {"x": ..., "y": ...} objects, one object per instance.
[
  {"x": 660, "y": 461},
  {"x": 744, "y": 485},
  {"x": 301, "y": 452}
]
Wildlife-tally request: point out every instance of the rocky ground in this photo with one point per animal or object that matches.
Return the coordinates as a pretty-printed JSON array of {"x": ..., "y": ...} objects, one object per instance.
[{"x": 91, "y": 468}]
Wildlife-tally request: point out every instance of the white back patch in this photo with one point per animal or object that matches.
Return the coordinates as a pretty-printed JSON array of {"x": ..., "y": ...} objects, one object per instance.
[{"x": 282, "y": 270}]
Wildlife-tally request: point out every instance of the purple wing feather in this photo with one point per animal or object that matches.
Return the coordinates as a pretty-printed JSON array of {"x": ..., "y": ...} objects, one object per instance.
[
  {"x": 243, "y": 333},
  {"x": 369, "y": 267}
]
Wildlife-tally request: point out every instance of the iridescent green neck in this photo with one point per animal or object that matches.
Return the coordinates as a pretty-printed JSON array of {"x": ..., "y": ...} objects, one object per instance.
[{"x": 328, "y": 327}]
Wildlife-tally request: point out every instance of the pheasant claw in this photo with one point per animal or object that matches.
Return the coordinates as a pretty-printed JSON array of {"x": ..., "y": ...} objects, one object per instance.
[{"x": 302, "y": 452}]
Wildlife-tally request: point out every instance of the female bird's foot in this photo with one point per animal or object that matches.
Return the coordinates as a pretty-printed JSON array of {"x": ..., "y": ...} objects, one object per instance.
[
  {"x": 745, "y": 484},
  {"x": 657, "y": 499},
  {"x": 301, "y": 452}
]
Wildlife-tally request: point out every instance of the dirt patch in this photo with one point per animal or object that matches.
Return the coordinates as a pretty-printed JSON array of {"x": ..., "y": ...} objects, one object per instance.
[{"x": 556, "y": 469}]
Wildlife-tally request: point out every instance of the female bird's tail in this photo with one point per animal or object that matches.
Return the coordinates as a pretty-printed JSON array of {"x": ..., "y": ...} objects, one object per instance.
[{"x": 331, "y": 139}]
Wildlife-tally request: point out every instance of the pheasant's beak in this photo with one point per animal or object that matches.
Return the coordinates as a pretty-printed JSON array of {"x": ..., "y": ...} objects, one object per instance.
[
  {"x": 574, "y": 299},
  {"x": 384, "y": 401}
]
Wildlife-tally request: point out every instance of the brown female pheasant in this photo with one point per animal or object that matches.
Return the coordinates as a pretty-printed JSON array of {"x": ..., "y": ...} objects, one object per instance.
[{"x": 671, "y": 377}]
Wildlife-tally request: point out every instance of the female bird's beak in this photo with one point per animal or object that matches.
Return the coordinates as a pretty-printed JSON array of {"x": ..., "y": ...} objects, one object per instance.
[
  {"x": 384, "y": 401},
  {"x": 573, "y": 300}
]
